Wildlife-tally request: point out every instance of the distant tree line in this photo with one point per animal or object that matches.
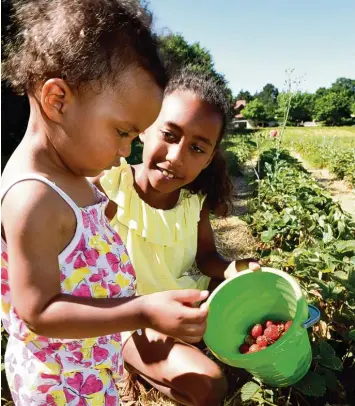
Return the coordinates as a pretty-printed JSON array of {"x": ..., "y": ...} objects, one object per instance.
[{"x": 332, "y": 106}]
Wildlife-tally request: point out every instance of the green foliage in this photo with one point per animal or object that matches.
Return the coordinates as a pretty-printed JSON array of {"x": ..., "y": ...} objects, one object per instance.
[
  {"x": 177, "y": 53},
  {"x": 312, "y": 384},
  {"x": 301, "y": 106},
  {"x": 332, "y": 148},
  {"x": 244, "y": 95},
  {"x": 249, "y": 390},
  {"x": 332, "y": 108},
  {"x": 255, "y": 110},
  {"x": 237, "y": 150},
  {"x": 136, "y": 152},
  {"x": 4, "y": 338},
  {"x": 343, "y": 165},
  {"x": 305, "y": 233},
  {"x": 268, "y": 97},
  {"x": 344, "y": 85}
]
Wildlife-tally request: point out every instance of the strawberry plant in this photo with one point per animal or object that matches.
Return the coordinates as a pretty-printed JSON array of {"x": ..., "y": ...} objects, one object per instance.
[
  {"x": 305, "y": 233},
  {"x": 332, "y": 148},
  {"x": 237, "y": 150}
]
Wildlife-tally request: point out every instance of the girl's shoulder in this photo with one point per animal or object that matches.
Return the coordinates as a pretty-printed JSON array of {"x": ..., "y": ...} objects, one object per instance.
[
  {"x": 196, "y": 198},
  {"x": 157, "y": 226}
]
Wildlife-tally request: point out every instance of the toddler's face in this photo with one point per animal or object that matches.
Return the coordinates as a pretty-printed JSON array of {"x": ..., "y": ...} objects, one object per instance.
[
  {"x": 182, "y": 141},
  {"x": 99, "y": 127}
]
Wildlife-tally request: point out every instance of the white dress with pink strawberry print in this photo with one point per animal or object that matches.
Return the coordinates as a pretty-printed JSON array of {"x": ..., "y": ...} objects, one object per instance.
[{"x": 56, "y": 372}]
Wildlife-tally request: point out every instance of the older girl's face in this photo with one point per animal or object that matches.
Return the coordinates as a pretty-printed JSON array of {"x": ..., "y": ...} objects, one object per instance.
[{"x": 181, "y": 142}]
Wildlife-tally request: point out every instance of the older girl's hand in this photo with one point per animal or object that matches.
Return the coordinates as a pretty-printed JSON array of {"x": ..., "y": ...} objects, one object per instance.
[{"x": 241, "y": 265}]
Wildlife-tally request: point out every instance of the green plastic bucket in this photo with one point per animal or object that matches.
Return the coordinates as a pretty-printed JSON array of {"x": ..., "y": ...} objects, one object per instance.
[{"x": 253, "y": 297}]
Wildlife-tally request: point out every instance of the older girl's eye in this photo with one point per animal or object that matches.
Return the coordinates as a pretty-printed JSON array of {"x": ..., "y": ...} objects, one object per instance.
[
  {"x": 168, "y": 136},
  {"x": 197, "y": 149},
  {"x": 123, "y": 133}
]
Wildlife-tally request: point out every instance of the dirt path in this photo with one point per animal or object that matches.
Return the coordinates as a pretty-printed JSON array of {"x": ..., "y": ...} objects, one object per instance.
[
  {"x": 233, "y": 237},
  {"x": 339, "y": 189}
]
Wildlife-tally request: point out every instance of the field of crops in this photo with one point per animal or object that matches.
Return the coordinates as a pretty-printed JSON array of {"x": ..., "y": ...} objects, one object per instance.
[
  {"x": 301, "y": 230},
  {"x": 323, "y": 147}
]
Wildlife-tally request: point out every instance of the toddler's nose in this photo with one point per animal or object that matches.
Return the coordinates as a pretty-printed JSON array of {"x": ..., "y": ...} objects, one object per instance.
[{"x": 125, "y": 151}]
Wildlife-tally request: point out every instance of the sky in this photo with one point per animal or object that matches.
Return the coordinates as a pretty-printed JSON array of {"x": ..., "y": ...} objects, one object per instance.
[{"x": 253, "y": 42}]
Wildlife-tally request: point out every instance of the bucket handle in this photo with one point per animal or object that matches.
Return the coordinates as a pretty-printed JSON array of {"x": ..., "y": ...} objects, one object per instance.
[{"x": 314, "y": 316}]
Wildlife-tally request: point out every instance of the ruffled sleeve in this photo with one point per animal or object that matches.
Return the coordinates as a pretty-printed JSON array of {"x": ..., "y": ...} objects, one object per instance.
[{"x": 163, "y": 227}]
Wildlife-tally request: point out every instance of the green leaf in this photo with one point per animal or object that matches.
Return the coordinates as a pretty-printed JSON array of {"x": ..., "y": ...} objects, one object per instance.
[
  {"x": 328, "y": 234},
  {"x": 330, "y": 378},
  {"x": 268, "y": 235},
  {"x": 351, "y": 277},
  {"x": 352, "y": 334},
  {"x": 341, "y": 275},
  {"x": 345, "y": 246},
  {"x": 312, "y": 384},
  {"x": 249, "y": 390},
  {"x": 328, "y": 357}
]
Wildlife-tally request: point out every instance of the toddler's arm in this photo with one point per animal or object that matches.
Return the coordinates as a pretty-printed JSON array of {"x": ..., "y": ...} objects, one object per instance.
[{"x": 34, "y": 224}]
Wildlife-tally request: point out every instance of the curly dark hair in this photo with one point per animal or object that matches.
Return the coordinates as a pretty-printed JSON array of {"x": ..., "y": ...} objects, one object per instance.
[
  {"x": 79, "y": 41},
  {"x": 213, "y": 181}
]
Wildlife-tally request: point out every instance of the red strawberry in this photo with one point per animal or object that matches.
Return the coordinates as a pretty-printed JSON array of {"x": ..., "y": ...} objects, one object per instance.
[
  {"x": 262, "y": 341},
  {"x": 268, "y": 323},
  {"x": 257, "y": 331},
  {"x": 254, "y": 348},
  {"x": 272, "y": 333},
  {"x": 244, "y": 348},
  {"x": 288, "y": 325},
  {"x": 281, "y": 326},
  {"x": 249, "y": 340}
]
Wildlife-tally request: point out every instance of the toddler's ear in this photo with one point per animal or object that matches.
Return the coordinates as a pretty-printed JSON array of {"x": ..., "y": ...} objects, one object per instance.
[
  {"x": 142, "y": 136},
  {"x": 56, "y": 96}
]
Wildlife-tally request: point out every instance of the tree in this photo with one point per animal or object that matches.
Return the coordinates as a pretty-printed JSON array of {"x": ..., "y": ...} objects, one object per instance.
[
  {"x": 268, "y": 96},
  {"x": 178, "y": 53},
  {"x": 332, "y": 108},
  {"x": 244, "y": 95},
  {"x": 346, "y": 85},
  {"x": 255, "y": 110},
  {"x": 301, "y": 106},
  {"x": 321, "y": 92}
]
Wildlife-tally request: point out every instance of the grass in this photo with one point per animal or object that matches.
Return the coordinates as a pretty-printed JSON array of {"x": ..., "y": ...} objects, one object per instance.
[{"x": 320, "y": 147}]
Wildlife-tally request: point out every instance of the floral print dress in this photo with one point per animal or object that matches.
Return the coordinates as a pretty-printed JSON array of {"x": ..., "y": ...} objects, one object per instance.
[{"x": 56, "y": 372}]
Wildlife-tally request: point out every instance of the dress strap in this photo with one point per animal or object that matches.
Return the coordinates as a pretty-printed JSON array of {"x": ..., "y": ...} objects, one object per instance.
[{"x": 40, "y": 178}]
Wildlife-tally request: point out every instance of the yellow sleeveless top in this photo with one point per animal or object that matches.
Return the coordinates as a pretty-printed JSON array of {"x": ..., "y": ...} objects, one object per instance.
[{"x": 162, "y": 244}]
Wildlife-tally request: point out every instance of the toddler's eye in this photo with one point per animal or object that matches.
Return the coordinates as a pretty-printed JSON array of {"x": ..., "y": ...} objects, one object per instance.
[{"x": 122, "y": 133}]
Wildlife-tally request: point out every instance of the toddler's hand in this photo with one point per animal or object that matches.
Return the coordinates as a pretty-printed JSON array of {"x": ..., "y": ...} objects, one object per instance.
[
  {"x": 241, "y": 265},
  {"x": 173, "y": 313}
]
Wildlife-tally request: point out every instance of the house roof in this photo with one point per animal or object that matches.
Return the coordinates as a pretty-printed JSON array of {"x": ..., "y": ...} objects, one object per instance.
[
  {"x": 238, "y": 107},
  {"x": 239, "y": 104}
]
